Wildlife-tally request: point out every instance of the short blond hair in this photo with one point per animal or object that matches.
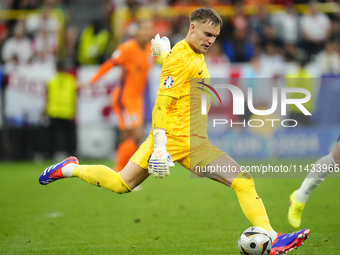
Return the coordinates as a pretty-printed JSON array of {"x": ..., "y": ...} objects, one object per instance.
[{"x": 206, "y": 15}]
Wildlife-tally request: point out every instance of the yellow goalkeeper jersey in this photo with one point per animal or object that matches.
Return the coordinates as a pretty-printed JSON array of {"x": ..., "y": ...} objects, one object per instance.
[{"x": 183, "y": 76}]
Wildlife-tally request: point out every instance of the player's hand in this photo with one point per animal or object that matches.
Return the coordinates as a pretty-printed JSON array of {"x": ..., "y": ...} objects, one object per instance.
[
  {"x": 158, "y": 45},
  {"x": 160, "y": 161}
]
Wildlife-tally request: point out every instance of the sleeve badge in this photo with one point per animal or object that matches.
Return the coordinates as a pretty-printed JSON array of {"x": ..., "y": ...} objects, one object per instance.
[{"x": 168, "y": 82}]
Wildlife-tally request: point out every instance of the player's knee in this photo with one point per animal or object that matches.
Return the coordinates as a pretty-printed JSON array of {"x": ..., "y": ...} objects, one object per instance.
[
  {"x": 120, "y": 191},
  {"x": 245, "y": 175},
  {"x": 119, "y": 186},
  {"x": 242, "y": 180}
]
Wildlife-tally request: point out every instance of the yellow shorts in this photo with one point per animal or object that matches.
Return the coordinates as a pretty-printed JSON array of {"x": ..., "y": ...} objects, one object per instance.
[{"x": 187, "y": 151}]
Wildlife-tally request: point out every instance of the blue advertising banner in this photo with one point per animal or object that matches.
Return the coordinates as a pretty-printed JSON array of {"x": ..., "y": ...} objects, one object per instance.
[{"x": 297, "y": 142}]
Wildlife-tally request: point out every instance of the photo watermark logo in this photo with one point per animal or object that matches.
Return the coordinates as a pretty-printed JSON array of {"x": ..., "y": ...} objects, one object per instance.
[
  {"x": 239, "y": 104},
  {"x": 204, "y": 96}
]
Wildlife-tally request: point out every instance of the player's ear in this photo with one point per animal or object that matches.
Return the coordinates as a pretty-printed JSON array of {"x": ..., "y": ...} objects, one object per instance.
[{"x": 192, "y": 28}]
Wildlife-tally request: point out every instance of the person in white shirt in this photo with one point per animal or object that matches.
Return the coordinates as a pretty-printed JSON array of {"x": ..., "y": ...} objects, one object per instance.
[
  {"x": 17, "y": 47},
  {"x": 288, "y": 24},
  {"x": 315, "y": 29},
  {"x": 329, "y": 59}
]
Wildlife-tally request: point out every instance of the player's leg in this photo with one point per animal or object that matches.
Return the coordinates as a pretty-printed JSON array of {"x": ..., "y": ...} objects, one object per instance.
[
  {"x": 299, "y": 197},
  {"x": 129, "y": 140},
  {"x": 243, "y": 185},
  {"x": 125, "y": 181},
  {"x": 131, "y": 176},
  {"x": 98, "y": 175},
  {"x": 130, "y": 123},
  {"x": 226, "y": 171}
]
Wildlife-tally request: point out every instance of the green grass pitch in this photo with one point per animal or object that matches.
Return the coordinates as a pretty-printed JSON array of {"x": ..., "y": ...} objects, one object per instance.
[{"x": 175, "y": 215}]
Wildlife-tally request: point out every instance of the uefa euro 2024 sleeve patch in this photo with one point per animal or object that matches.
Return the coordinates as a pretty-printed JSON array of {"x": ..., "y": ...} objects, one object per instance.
[{"x": 168, "y": 82}]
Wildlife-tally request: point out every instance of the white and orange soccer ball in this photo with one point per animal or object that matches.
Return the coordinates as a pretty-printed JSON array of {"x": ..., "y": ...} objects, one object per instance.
[{"x": 254, "y": 241}]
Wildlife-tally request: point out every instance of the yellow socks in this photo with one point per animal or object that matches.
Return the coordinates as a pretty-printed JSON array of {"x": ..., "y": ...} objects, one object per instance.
[
  {"x": 251, "y": 204},
  {"x": 101, "y": 176}
]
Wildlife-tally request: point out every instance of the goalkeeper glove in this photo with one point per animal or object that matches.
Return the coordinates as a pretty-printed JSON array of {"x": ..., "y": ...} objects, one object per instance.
[
  {"x": 158, "y": 45},
  {"x": 160, "y": 159}
]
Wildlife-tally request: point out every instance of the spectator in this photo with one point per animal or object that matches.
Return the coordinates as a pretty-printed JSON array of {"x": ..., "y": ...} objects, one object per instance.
[
  {"x": 258, "y": 22},
  {"x": 179, "y": 29},
  {"x": 156, "y": 5},
  {"x": 70, "y": 46},
  {"x": 257, "y": 2},
  {"x": 53, "y": 5},
  {"x": 287, "y": 23},
  {"x": 301, "y": 78},
  {"x": 46, "y": 18},
  {"x": 335, "y": 29},
  {"x": 239, "y": 20},
  {"x": 329, "y": 59},
  {"x": 125, "y": 17},
  {"x": 17, "y": 5},
  {"x": 290, "y": 53},
  {"x": 270, "y": 36},
  {"x": 252, "y": 70},
  {"x": 271, "y": 61},
  {"x": 45, "y": 43},
  {"x": 61, "y": 110},
  {"x": 162, "y": 25},
  {"x": 92, "y": 44},
  {"x": 44, "y": 61},
  {"x": 3, "y": 33},
  {"x": 183, "y": 3},
  {"x": 17, "y": 49},
  {"x": 108, "y": 8},
  {"x": 315, "y": 28},
  {"x": 239, "y": 48},
  {"x": 251, "y": 75},
  {"x": 44, "y": 27}
]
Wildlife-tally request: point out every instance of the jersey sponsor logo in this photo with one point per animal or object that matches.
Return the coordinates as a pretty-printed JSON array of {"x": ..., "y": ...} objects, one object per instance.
[
  {"x": 168, "y": 82},
  {"x": 199, "y": 73}
]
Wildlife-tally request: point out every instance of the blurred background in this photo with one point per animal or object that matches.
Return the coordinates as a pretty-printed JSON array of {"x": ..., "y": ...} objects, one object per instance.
[{"x": 260, "y": 43}]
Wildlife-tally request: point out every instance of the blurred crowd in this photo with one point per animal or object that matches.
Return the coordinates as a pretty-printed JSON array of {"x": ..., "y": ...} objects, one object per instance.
[
  {"x": 259, "y": 39},
  {"x": 252, "y": 32}
]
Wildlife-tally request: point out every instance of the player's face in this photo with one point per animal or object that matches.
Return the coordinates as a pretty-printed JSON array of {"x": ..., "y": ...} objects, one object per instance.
[
  {"x": 203, "y": 36},
  {"x": 145, "y": 32}
]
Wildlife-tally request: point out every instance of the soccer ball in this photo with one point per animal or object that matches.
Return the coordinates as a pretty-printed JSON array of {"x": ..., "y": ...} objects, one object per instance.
[{"x": 254, "y": 241}]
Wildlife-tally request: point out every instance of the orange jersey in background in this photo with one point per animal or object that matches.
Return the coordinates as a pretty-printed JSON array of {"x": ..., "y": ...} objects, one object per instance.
[{"x": 128, "y": 96}]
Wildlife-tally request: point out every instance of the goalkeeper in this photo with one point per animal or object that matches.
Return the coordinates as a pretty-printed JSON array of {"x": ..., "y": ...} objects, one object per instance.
[{"x": 179, "y": 133}]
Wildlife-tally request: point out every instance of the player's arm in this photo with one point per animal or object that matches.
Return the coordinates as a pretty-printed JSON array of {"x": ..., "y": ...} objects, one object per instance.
[
  {"x": 162, "y": 57},
  {"x": 159, "y": 111},
  {"x": 103, "y": 69},
  {"x": 173, "y": 75},
  {"x": 160, "y": 159},
  {"x": 118, "y": 58}
]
